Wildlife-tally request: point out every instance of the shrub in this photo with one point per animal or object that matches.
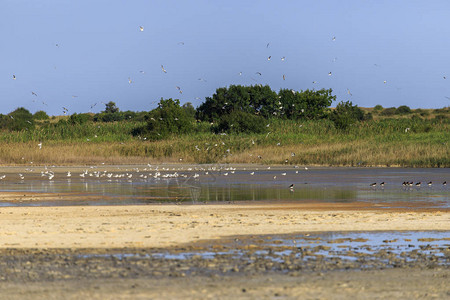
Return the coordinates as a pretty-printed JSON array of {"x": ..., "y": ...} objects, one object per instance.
[
  {"x": 111, "y": 108},
  {"x": 378, "y": 108},
  {"x": 388, "y": 111},
  {"x": 240, "y": 122},
  {"x": 346, "y": 114},
  {"x": 402, "y": 110},
  {"x": 80, "y": 118},
  {"x": 40, "y": 115},
  {"x": 167, "y": 119},
  {"x": 20, "y": 119}
]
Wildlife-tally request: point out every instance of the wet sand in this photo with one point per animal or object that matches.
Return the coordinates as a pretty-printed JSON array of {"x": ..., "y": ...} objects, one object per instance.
[
  {"x": 39, "y": 247},
  {"x": 169, "y": 225}
]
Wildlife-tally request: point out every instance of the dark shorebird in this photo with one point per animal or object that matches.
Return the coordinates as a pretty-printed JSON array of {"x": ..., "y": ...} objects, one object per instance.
[
  {"x": 373, "y": 184},
  {"x": 291, "y": 187},
  {"x": 430, "y": 183},
  {"x": 419, "y": 183},
  {"x": 444, "y": 183},
  {"x": 382, "y": 184}
]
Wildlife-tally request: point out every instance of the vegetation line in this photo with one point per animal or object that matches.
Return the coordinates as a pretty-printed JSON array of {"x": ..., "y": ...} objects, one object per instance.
[{"x": 236, "y": 125}]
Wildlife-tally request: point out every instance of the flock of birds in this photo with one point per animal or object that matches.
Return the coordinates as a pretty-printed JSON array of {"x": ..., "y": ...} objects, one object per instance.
[
  {"x": 408, "y": 184},
  {"x": 65, "y": 110},
  {"x": 183, "y": 173}
]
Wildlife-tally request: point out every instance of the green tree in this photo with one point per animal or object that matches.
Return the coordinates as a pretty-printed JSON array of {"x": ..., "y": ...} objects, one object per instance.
[
  {"x": 168, "y": 118},
  {"x": 189, "y": 109},
  {"x": 40, "y": 115},
  {"x": 111, "y": 107},
  {"x": 309, "y": 104},
  {"x": 403, "y": 110},
  {"x": 20, "y": 119},
  {"x": 240, "y": 122},
  {"x": 346, "y": 114},
  {"x": 257, "y": 99}
]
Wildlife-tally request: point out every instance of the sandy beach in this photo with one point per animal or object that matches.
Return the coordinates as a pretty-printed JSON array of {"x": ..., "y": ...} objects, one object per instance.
[
  {"x": 54, "y": 252},
  {"x": 169, "y": 225}
]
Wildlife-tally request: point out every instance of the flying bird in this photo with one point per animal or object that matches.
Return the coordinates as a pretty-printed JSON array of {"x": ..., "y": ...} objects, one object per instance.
[
  {"x": 141, "y": 28},
  {"x": 129, "y": 80},
  {"x": 162, "y": 68},
  {"x": 384, "y": 81},
  {"x": 179, "y": 89},
  {"x": 348, "y": 92},
  {"x": 333, "y": 39},
  {"x": 267, "y": 46},
  {"x": 284, "y": 77},
  {"x": 259, "y": 73},
  {"x": 283, "y": 58},
  {"x": 269, "y": 57},
  {"x": 33, "y": 93},
  {"x": 14, "y": 77},
  {"x": 329, "y": 74}
]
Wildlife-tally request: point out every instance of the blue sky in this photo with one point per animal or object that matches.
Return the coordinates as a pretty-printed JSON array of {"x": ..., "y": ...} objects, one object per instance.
[{"x": 81, "y": 54}]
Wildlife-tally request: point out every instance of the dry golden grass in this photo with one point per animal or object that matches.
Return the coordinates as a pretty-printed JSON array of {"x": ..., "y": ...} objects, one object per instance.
[{"x": 356, "y": 153}]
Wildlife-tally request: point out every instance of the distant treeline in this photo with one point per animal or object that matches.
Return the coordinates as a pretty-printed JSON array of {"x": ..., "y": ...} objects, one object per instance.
[{"x": 234, "y": 109}]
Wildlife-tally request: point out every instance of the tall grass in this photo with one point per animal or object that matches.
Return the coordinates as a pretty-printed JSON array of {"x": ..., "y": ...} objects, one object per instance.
[{"x": 387, "y": 142}]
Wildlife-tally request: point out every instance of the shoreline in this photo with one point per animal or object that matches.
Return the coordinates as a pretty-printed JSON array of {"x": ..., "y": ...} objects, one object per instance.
[{"x": 168, "y": 225}]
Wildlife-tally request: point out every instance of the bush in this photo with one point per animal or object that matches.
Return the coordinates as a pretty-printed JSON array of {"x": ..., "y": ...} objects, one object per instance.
[
  {"x": 167, "y": 119},
  {"x": 240, "y": 122},
  {"x": 378, "y": 108},
  {"x": 402, "y": 110},
  {"x": 80, "y": 118},
  {"x": 20, "y": 119},
  {"x": 346, "y": 114},
  {"x": 108, "y": 117},
  {"x": 40, "y": 115},
  {"x": 388, "y": 111},
  {"x": 307, "y": 105}
]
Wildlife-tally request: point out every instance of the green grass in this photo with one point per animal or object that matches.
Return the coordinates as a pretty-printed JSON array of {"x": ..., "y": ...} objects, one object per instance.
[{"x": 381, "y": 142}]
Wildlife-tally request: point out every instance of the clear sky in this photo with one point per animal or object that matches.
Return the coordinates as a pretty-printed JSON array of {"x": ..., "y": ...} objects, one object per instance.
[{"x": 75, "y": 53}]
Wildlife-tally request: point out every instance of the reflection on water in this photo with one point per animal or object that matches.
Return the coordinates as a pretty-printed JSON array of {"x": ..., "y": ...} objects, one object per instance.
[{"x": 231, "y": 185}]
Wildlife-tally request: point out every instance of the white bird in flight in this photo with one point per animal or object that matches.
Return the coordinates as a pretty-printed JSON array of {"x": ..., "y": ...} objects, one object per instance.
[
  {"x": 162, "y": 68},
  {"x": 141, "y": 28}
]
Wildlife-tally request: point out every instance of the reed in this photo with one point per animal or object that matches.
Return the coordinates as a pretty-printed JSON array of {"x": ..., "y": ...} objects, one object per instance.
[{"x": 387, "y": 142}]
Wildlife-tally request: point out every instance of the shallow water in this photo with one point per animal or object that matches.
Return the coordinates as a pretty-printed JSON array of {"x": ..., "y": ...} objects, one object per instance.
[
  {"x": 126, "y": 186},
  {"x": 368, "y": 249}
]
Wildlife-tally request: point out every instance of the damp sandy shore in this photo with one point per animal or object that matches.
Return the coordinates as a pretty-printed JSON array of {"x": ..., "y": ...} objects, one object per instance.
[{"x": 159, "y": 226}]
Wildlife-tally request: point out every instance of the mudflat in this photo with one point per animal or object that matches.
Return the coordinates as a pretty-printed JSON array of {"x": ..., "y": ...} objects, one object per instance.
[{"x": 74, "y": 252}]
